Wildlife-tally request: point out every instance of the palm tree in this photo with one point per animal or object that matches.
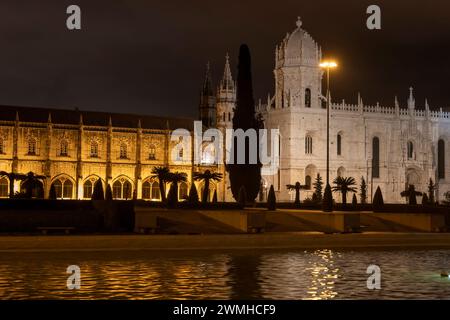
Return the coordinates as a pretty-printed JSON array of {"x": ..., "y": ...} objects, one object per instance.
[
  {"x": 344, "y": 185},
  {"x": 12, "y": 177},
  {"x": 207, "y": 176},
  {"x": 162, "y": 174},
  {"x": 411, "y": 194},
  {"x": 297, "y": 187},
  {"x": 174, "y": 178},
  {"x": 30, "y": 180}
]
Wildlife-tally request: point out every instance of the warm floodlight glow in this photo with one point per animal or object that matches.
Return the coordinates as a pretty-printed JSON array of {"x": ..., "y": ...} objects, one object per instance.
[{"x": 328, "y": 64}]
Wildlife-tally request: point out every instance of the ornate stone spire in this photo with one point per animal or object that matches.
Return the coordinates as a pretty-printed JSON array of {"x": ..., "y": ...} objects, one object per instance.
[
  {"x": 411, "y": 100},
  {"x": 207, "y": 89},
  {"x": 227, "y": 82},
  {"x": 299, "y": 22}
]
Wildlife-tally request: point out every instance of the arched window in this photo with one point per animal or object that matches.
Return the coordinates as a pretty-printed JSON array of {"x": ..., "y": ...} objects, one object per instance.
[
  {"x": 152, "y": 152},
  {"x": 32, "y": 146},
  {"x": 57, "y": 185},
  {"x": 229, "y": 116},
  {"x": 308, "y": 98},
  {"x": 308, "y": 145},
  {"x": 67, "y": 189},
  {"x": 123, "y": 151},
  {"x": 156, "y": 195},
  {"x": 410, "y": 150},
  {"x": 117, "y": 190},
  {"x": 94, "y": 149},
  {"x": 339, "y": 144},
  {"x": 2, "y": 146},
  {"x": 223, "y": 117},
  {"x": 308, "y": 182},
  {"x": 63, "y": 148},
  {"x": 87, "y": 189},
  {"x": 4, "y": 187},
  {"x": 146, "y": 190},
  {"x": 122, "y": 189},
  {"x": 341, "y": 172},
  {"x": 183, "y": 191},
  {"x": 127, "y": 190},
  {"x": 441, "y": 159},
  {"x": 375, "y": 157},
  {"x": 310, "y": 171}
]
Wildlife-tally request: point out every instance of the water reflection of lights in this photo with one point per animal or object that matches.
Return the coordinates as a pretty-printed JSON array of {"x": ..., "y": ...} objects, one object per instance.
[
  {"x": 323, "y": 275},
  {"x": 306, "y": 275}
]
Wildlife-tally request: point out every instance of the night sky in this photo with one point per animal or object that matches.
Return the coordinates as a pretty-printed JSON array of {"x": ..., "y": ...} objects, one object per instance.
[{"x": 149, "y": 57}]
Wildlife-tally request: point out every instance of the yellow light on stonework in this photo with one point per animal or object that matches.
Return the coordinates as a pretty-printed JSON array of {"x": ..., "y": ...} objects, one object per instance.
[{"x": 328, "y": 64}]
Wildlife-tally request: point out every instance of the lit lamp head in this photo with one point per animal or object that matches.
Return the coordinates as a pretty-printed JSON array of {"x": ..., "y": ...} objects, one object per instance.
[{"x": 328, "y": 64}]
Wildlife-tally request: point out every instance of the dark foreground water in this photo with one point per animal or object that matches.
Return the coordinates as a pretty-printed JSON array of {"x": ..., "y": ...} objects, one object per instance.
[{"x": 320, "y": 274}]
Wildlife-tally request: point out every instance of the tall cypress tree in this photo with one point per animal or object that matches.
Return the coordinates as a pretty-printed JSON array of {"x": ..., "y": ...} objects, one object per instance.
[{"x": 245, "y": 175}]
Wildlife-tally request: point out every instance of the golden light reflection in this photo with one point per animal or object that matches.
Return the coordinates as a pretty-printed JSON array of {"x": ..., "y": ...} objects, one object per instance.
[{"x": 323, "y": 275}]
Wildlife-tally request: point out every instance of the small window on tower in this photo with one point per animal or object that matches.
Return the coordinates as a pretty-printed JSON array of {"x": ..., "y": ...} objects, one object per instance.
[
  {"x": 410, "y": 150},
  {"x": 308, "y": 98},
  {"x": 308, "y": 145}
]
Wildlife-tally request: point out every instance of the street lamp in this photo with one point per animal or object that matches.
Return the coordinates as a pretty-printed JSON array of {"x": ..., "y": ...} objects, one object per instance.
[{"x": 328, "y": 65}]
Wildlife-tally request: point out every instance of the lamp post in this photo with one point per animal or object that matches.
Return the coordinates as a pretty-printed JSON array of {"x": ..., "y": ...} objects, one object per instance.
[{"x": 328, "y": 65}]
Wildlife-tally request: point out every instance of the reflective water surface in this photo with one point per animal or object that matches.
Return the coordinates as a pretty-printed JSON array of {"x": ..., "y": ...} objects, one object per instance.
[{"x": 320, "y": 274}]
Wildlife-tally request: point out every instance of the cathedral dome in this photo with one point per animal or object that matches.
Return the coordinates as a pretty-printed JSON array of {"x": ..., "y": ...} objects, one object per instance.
[{"x": 300, "y": 48}]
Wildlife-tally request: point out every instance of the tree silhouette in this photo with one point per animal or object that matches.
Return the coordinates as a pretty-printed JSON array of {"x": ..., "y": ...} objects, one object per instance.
[
  {"x": 425, "y": 200},
  {"x": 193, "y": 194},
  {"x": 363, "y": 190},
  {"x": 297, "y": 187},
  {"x": 242, "y": 197},
  {"x": 162, "y": 174},
  {"x": 108, "y": 193},
  {"x": 318, "y": 186},
  {"x": 344, "y": 185},
  {"x": 52, "y": 193},
  {"x": 327, "y": 202},
  {"x": 431, "y": 188},
  {"x": 247, "y": 174},
  {"x": 98, "y": 193},
  {"x": 206, "y": 177},
  {"x": 174, "y": 178},
  {"x": 271, "y": 199},
  {"x": 12, "y": 177},
  {"x": 378, "y": 202},
  {"x": 411, "y": 194},
  {"x": 32, "y": 182}
]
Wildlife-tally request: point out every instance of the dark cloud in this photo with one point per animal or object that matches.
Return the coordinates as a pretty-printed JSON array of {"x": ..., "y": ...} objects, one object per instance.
[{"x": 149, "y": 56}]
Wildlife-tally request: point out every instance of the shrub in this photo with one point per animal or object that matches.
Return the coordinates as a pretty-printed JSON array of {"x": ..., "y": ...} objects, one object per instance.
[
  {"x": 214, "y": 199},
  {"x": 52, "y": 194},
  {"x": 425, "y": 200},
  {"x": 108, "y": 193},
  {"x": 327, "y": 203},
  {"x": 378, "y": 202},
  {"x": 98, "y": 193},
  {"x": 354, "y": 201},
  {"x": 193, "y": 194},
  {"x": 172, "y": 197},
  {"x": 242, "y": 197},
  {"x": 271, "y": 199}
]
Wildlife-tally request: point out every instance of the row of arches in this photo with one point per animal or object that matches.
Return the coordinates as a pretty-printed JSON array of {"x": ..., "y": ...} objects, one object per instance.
[{"x": 122, "y": 188}]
